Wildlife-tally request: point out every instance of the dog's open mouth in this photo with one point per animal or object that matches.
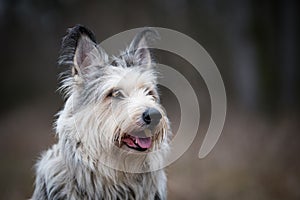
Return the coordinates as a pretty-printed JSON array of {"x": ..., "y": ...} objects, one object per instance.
[{"x": 137, "y": 143}]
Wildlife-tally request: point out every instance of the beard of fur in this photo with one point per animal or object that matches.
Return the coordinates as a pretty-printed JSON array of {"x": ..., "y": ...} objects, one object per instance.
[{"x": 93, "y": 136}]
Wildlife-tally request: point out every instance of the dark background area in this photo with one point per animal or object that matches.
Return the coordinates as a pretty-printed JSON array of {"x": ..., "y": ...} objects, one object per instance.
[{"x": 255, "y": 44}]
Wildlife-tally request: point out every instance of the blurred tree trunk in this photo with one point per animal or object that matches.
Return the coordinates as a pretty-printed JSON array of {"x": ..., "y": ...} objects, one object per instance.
[{"x": 287, "y": 52}]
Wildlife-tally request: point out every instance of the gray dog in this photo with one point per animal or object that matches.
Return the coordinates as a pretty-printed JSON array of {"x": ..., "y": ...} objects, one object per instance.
[{"x": 113, "y": 132}]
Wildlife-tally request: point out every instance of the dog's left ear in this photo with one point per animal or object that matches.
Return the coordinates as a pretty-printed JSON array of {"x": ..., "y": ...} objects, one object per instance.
[
  {"x": 80, "y": 50},
  {"x": 140, "y": 49}
]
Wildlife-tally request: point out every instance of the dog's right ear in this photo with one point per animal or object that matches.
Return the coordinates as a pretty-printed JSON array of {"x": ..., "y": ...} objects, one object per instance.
[
  {"x": 79, "y": 50},
  {"x": 139, "y": 46}
]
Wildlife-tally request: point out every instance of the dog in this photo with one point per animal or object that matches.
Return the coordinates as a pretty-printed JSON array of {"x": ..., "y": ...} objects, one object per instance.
[{"x": 113, "y": 133}]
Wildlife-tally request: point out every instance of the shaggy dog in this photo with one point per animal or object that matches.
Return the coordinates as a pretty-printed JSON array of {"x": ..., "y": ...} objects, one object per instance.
[{"x": 112, "y": 133}]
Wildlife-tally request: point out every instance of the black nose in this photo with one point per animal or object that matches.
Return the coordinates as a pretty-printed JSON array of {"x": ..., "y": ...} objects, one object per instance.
[{"x": 151, "y": 116}]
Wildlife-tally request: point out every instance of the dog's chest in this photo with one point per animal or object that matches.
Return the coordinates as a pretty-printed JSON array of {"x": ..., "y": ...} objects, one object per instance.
[
  {"x": 139, "y": 187},
  {"x": 134, "y": 189}
]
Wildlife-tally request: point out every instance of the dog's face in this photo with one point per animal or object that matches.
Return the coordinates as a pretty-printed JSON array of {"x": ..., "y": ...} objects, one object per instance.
[
  {"x": 113, "y": 101},
  {"x": 134, "y": 118}
]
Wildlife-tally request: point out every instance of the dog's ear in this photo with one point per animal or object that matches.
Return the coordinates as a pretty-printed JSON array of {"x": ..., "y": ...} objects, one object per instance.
[
  {"x": 139, "y": 46},
  {"x": 79, "y": 50}
]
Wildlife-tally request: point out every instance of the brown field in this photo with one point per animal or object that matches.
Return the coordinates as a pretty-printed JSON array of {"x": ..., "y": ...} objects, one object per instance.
[{"x": 255, "y": 157}]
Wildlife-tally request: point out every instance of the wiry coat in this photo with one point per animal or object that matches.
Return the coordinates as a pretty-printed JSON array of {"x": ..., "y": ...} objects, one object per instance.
[{"x": 89, "y": 161}]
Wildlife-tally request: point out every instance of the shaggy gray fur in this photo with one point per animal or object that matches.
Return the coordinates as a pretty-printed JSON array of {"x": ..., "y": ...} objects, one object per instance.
[{"x": 99, "y": 90}]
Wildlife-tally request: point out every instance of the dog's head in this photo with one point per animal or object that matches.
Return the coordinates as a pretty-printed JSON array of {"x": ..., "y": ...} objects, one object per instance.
[{"x": 112, "y": 101}]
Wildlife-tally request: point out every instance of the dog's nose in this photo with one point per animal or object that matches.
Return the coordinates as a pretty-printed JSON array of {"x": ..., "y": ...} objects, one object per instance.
[{"x": 151, "y": 116}]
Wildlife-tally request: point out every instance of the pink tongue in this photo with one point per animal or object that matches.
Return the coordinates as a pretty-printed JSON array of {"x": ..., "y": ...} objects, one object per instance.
[{"x": 145, "y": 143}]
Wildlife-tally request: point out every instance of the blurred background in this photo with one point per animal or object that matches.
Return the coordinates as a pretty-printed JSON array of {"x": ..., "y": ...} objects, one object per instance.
[{"x": 255, "y": 44}]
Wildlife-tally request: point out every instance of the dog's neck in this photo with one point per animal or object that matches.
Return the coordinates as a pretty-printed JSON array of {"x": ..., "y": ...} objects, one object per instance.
[{"x": 112, "y": 181}]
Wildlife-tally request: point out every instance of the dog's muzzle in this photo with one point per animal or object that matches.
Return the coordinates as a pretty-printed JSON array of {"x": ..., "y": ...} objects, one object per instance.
[{"x": 142, "y": 140}]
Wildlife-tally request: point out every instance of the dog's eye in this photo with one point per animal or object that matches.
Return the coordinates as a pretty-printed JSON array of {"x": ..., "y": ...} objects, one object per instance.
[
  {"x": 117, "y": 94},
  {"x": 150, "y": 93}
]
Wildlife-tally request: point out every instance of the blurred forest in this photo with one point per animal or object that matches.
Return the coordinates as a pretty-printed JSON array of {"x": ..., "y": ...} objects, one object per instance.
[{"x": 254, "y": 43}]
